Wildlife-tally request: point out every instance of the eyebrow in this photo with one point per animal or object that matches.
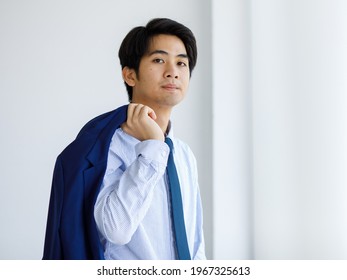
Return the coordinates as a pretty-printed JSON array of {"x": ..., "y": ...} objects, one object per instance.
[{"x": 183, "y": 55}]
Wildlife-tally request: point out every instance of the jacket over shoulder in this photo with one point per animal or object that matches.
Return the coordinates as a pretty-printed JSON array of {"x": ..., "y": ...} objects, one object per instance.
[{"x": 71, "y": 231}]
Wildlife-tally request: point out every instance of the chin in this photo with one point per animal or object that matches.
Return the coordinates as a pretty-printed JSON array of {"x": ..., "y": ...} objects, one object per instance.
[{"x": 173, "y": 101}]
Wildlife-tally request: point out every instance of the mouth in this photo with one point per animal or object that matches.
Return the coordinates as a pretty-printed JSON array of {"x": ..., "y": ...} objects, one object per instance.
[{"x": 170, "y": 87}]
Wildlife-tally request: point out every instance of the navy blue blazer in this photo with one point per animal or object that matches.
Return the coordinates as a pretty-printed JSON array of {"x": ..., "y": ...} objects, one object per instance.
[{"x": 71, "y": 231}]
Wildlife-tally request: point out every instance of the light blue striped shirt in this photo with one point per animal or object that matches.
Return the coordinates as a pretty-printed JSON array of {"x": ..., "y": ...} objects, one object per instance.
[{"x": 132, "y": 211}]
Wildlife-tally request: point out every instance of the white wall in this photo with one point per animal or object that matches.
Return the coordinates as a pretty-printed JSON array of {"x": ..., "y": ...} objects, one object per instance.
[
  {"x": 232, "y": 139},
  {"x": 280, "y": 129},
  {"x": 300, "y": 129},
  {"x": 59, "y": 68}
]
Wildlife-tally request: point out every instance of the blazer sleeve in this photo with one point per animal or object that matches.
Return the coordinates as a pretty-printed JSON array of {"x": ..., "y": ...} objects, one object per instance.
[{"x": 52, "y": 246}]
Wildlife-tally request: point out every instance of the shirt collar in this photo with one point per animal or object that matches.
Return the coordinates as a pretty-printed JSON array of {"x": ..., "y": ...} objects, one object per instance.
[{"x": 169, "y": 131}]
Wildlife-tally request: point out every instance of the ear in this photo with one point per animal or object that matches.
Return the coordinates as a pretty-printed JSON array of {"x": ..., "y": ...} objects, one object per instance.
[{"x": 129, "y": 76}]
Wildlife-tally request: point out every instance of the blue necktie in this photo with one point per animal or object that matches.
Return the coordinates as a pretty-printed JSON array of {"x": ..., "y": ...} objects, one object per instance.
[{"x": 177, "y": 208}]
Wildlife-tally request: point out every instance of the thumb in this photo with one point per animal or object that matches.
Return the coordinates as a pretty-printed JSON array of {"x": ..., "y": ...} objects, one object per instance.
[{"x": 152, "y": 114}]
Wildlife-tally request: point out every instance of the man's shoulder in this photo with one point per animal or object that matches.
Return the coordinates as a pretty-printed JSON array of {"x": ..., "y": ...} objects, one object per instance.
[
  {"x": 181, "y": 144},
  {"x": 95, "y": 125},
  {"x": 184, "y": 149},
  {"x": 92, "y": 130}
]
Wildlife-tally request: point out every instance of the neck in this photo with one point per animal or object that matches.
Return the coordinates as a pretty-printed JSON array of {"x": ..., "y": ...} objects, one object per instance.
[{"x": 163, "y": 117}]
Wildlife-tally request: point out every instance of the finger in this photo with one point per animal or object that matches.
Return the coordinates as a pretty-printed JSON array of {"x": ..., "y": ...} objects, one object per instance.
[
  {"x": 148, "y": 112},
  {"x": 131, "y": 109},
  {"x": 137, "y": 111},
  {"x": 152, "y": 115}
]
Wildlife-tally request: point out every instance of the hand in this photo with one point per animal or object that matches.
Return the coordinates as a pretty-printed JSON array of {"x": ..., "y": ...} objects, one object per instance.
[{"x": 141, "y": 123}]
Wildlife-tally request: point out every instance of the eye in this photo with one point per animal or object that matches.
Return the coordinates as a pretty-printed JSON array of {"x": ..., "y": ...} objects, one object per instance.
[
  {"x": 158, "y": 60},
  {"x": 182, "y": 63}
]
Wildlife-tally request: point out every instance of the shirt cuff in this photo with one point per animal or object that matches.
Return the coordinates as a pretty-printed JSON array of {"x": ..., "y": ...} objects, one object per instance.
[{"x": 153, "y": 150}]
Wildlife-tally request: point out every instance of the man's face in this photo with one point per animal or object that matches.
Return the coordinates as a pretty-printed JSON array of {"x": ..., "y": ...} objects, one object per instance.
[{"x": 163, "y": 75}]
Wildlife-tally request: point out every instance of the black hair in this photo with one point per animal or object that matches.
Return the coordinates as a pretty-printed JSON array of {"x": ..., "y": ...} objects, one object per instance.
[{"x": 136, "y": 43}]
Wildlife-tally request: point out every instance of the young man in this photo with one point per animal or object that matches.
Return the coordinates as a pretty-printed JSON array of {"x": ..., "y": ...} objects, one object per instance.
[{"x": 112, "y": 191}]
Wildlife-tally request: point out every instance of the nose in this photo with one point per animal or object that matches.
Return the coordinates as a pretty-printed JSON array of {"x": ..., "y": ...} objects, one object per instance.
[{"x": 171, "y": 71}]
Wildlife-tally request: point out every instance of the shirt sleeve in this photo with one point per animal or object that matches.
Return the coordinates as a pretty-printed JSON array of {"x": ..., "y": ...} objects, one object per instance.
[{"x": 126, "y": 194}]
